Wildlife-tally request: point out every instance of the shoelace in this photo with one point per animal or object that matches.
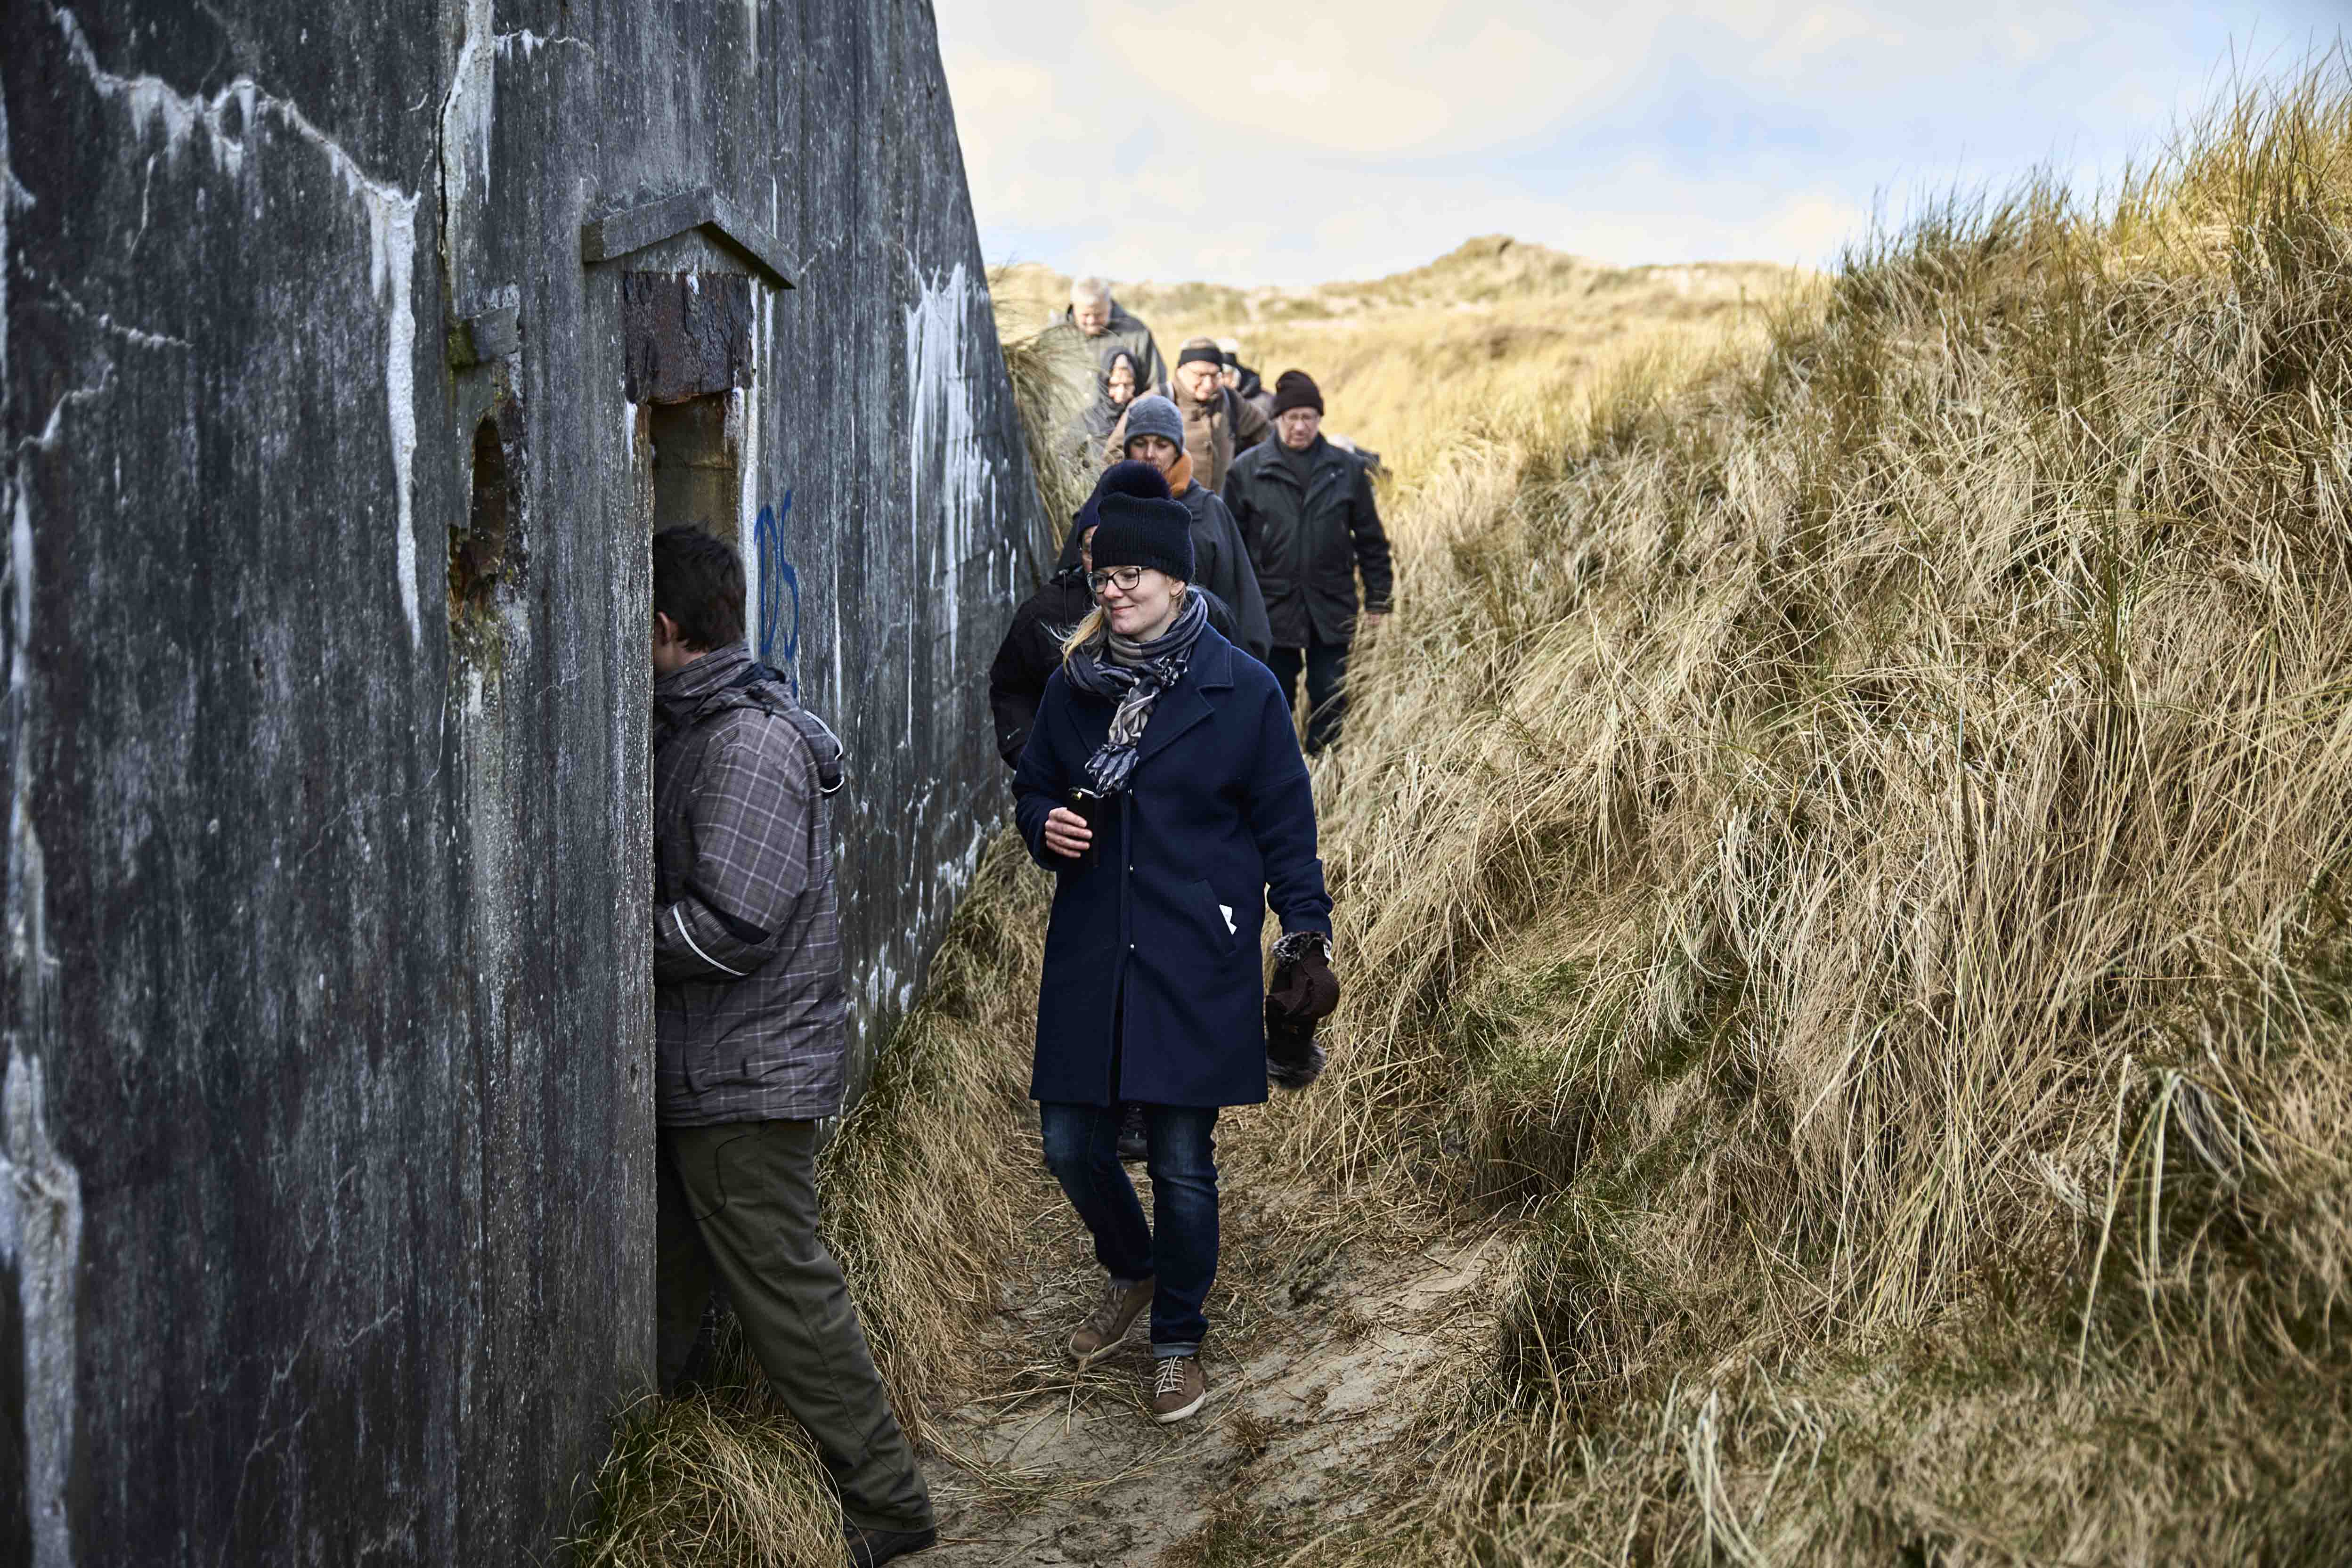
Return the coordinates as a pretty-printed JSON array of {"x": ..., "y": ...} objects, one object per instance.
[{"x": 1168, "y": 1375}]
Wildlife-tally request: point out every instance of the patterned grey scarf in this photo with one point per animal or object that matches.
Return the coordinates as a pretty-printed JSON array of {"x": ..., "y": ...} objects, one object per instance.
[{"x": 1132, "y": 674}]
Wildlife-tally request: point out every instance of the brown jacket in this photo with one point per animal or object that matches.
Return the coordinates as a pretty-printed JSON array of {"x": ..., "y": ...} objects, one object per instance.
[{"x": 1215, "y": 432}]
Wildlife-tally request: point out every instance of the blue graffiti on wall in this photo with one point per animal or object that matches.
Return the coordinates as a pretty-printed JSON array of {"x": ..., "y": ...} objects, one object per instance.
[{"x": 779, "y": 644}]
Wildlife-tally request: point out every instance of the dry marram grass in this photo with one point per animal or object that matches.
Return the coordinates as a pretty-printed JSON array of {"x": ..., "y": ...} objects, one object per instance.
[{"x": 1852, "y": 847}]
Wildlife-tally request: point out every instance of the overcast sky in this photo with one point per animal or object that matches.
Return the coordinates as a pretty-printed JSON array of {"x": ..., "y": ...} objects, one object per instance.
[{"x": 1265, "y": 141}]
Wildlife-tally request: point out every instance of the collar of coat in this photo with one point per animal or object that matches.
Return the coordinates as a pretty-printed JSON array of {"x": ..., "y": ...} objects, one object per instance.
[
  {"x": 1186, "y": 703},
  {"x": 678, "y": 694},
  {"x": 1321, "y": 458},
  {"x": 723, "y": 679},
  {"x": 729, "y": 678},
  {"x": 1215, "y": 409}
]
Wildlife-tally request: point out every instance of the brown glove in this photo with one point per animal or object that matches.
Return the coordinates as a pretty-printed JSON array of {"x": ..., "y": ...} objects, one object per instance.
[{"x": 1304, "y": 990}]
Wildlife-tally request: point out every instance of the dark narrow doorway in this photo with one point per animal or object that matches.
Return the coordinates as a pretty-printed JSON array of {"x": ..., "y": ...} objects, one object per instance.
[{"x": 696, "y": 480}]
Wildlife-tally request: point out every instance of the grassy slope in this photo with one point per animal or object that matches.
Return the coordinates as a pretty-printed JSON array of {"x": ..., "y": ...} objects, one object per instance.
[
  {"x": 1841, "y": 850},
  {"x": 1853, "y": 849},
  {"x": 1494, "y": 328}
]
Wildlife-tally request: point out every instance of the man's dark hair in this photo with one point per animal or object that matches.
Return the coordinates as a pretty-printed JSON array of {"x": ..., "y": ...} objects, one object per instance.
[{"x": 698, "y": 584}]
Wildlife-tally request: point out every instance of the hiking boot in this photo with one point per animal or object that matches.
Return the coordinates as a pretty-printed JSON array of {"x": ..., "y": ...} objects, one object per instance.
[
  {"x": 1176, "y": 1387},
  {"x": 1101, "y": 1335},
  {"x": 1133, "y": 1145},
  {"x": 869, "y": 1547}
]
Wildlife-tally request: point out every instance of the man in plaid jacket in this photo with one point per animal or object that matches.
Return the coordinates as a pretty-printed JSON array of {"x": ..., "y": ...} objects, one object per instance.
[{"x": 749, "y": 1038}]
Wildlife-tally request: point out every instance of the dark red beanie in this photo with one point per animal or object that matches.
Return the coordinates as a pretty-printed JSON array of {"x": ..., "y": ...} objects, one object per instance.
[{"x": 1297, "y": 389}]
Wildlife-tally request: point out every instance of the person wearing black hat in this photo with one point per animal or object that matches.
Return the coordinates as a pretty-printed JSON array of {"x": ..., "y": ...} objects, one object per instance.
[
  {"x": 1032, "y": 649},
  {"x": 1163, "y": 786},
  {"x": 1305, "y": 507}
]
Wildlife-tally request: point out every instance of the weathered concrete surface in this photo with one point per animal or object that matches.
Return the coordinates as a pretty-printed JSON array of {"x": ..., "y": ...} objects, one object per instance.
[{"x": 325, "y": 1180}]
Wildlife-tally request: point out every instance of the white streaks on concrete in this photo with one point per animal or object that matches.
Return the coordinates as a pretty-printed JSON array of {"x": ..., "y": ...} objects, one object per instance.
[
  {"x": 951, "y": 481},
  {"x": 40, "y": 1193},
  {"x": 531, "y": 43},
  {"x": 40, "y": 1239},
  {"x": 744, "y": 411},
  {"x": 153, "y": 103},
  {"x": 468, "y": 111}
]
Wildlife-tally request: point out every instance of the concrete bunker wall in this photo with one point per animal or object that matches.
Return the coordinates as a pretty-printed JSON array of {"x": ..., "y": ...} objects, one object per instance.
[{"x": 331, "y": 454}]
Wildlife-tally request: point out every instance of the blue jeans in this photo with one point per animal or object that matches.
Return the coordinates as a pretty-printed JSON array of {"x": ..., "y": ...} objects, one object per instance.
[{"x": 1181, "y": 1257}]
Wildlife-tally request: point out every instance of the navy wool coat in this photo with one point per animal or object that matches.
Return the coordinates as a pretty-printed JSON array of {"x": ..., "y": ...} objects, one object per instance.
[{"x": 1162, "y": 932}]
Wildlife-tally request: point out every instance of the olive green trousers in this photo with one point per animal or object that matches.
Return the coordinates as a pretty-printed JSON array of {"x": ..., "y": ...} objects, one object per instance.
[{"x": 737, "y": 1206}]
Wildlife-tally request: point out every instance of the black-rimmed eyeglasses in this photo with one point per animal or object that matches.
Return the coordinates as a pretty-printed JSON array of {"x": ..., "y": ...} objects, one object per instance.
[{"x": 1123, "y": 578}]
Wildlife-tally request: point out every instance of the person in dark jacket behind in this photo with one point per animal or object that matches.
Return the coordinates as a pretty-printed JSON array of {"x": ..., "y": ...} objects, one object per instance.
[
  {"x": 750, "y": 1047},
  {"x": 1154, "y": 434},
  {"x": 1306, "y": 509},
  {"x": 1197, "y": 816},
  {"x": 1032, "y": 649},
  {"x": 1243, "y": 380},
  {"x": 1119, "y": 383}
]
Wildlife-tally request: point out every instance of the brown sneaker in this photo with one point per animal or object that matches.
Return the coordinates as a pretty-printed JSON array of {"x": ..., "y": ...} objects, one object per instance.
[
  {"x": 1176, "y": 1387},
  {"x": 1101, "y": 1334}
]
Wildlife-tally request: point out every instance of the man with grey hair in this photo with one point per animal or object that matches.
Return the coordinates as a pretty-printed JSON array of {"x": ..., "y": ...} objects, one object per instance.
[{"x": 1096, "y": 320}]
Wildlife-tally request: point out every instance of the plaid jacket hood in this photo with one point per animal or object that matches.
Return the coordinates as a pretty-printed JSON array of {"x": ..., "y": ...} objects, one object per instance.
[{"x": 749, "y": 1011}]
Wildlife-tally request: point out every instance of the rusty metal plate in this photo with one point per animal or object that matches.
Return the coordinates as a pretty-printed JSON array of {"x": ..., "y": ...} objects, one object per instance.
[{"x": 684, "y": 334}]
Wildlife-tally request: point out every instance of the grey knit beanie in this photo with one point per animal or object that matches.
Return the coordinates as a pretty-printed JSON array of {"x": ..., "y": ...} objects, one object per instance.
[{"x": 1153, "y": 415}]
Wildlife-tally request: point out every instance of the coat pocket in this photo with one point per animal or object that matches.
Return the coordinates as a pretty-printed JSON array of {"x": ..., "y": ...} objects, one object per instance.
[{"x": 1214, "y": 918}]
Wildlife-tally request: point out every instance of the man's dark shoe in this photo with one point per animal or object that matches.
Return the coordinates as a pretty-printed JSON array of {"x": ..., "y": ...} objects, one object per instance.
[
  {"x": 1132, "y": 1145},
  {"x": 868, "y": 1547}
]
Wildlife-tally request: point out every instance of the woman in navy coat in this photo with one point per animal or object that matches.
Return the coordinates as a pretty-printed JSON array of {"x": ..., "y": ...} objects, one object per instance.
[{"x": 1163, "y": 784}]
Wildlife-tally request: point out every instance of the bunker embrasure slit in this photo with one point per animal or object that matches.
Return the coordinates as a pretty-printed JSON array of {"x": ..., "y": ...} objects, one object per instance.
[{"x": 485, "y": 555}]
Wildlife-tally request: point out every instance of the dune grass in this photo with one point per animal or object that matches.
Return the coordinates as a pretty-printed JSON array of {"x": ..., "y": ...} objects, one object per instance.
[{"x": 1852, "y": 842}]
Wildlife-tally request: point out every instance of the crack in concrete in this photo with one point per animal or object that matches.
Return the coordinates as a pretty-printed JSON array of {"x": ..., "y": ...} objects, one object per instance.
[{"x": 391, "y": 240}]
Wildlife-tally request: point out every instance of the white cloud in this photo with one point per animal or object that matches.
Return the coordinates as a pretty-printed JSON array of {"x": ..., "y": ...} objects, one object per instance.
[
  {"x": 1251, "y": 141},
  {"x": 1380, "y": 76}
]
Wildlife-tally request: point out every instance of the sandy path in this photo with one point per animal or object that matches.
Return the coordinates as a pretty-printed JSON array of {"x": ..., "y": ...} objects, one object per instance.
[{"x": 1320, "y": 1346}]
